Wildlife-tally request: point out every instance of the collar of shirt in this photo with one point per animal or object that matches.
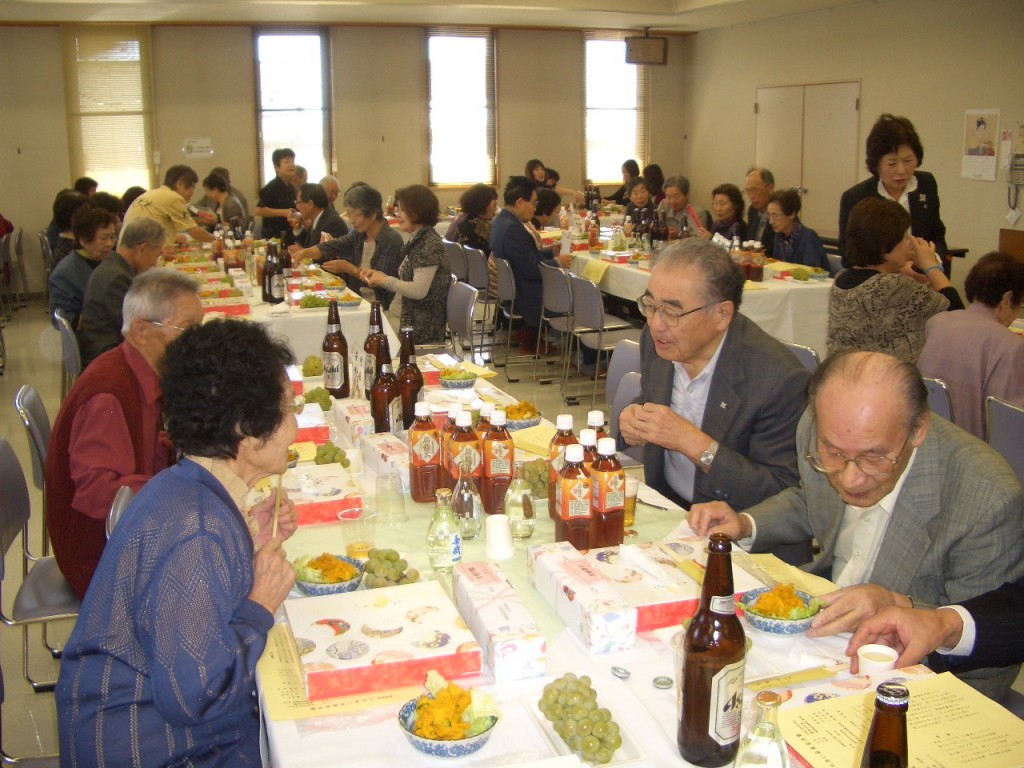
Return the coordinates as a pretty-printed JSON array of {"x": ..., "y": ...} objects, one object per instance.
[
  {"x": 689, "y": 399},
  {"x": 149, "y": 382},
  {"x": 904, "y": 198},
  {"x": 861, "y": 533},
  {"x": 233, "y": 484},
  {"x": 317, "y": 219}
]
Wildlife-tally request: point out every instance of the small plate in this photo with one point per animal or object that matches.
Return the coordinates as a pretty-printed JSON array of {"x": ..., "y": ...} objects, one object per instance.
[{"x": 514, "y": 424}]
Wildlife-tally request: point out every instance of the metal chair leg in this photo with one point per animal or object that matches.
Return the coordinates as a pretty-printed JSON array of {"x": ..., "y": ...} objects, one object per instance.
[{"x": 37, "y": 686}]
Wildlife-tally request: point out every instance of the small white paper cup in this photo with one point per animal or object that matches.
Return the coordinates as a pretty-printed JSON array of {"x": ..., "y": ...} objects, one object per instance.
[
  {"x": 874, "y": 659},
  {"x": 498, "y": 538}
]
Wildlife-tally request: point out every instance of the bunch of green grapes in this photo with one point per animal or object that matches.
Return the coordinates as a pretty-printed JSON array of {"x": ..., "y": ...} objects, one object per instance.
[
  {"x": 313, "y": 366},
  {"x": 385, "y": 568},
  {"x": 312, "y": 301},
  {"x": 329, "y": 453},
  {"x": 570, "y": 704},
  {"x": 320, "y": 396},
  {"x": 536, "y": 474}
]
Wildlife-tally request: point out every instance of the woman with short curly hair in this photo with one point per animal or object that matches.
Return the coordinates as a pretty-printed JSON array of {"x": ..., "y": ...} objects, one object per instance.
[{"x": 162, "y": 659}]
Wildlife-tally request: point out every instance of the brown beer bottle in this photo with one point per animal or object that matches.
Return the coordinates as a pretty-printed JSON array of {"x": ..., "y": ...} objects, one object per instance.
[
  {"x": 607, "y": 496},
  {"x": 335, "y": 355},
  {"x": 271, "y": 269},
  {"x": 712, "y": 706},
  {"x": 410, "y": 379},
  {"x": 385, "y": 401},
  {"x": 556, "y": 454},
  {"x": 376, "y": 349},
  {"x": 499, "y": 451},
  {"x": 424, "y": 455},
  {"x": 286, "y": 264},
  {"x": 887, "y": 740},
  {"x": 572, "y": 500}
]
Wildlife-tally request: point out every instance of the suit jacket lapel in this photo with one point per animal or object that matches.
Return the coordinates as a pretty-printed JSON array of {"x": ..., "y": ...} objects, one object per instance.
[
  {"x": 906, "y": 538},
  {"x": 724, "y": 399}
]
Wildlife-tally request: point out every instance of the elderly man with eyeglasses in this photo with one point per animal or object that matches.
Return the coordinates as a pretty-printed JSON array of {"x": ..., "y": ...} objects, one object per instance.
[
  {"x": 908, "y": 508},
  {"x": 721, "y": 398},
  {"x": 109, "y": 431}
]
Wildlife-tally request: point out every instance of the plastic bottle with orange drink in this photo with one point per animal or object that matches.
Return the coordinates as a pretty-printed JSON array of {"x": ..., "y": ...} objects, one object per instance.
[
  {"x": 499, "y": 451},
  {"x": 424, "y": 456},
  {"x": 556, "y": 450},
  {"x": 572, "y": 500},
  {"x": 447, "y": 480},
  {"x": 607, "y": 496},
  {"x": 595, "y": 420},
  {"x": 588, "y": 439},
  {"x": 483, "y": 424}
]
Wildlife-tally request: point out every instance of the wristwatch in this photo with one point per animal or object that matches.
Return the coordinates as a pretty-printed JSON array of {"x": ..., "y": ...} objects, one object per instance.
[{"x": 708, "y": 456}]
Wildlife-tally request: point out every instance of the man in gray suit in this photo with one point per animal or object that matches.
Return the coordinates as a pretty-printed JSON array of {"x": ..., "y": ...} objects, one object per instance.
[
  {"x": 721, "y": 398},
  {"x": 908, "y": 508}
]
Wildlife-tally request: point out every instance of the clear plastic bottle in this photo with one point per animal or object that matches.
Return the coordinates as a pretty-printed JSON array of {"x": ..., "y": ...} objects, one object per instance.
[
  {"x": 763, "y": 745},
  {"x": 518, "y": 504},
  {"x": 444, "y": 542}
]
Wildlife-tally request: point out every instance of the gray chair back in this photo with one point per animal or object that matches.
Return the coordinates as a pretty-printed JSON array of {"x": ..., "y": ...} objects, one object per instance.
[
  {"x": 835, "y": 264},
  {"x": 477, "y": 274},
  {"x": 628, "y": 391},
  {"x": 557, "y": 297},
  {"x": 461, "y": 301},
  {"x": 806, "y": 355},
  {"x": 938, "y": 398},
  {"x": 456, "y": 258},
  {"x": 122, "y": 499},
  {"x": 625, "y": 358},
  {"x": 1004, "y": 430},
  {"x": 506, "y": 285},
  {"x": 71, "y": 357},
  {"x": 37, "y": 428},
  {"x": 14, "y": 502}
]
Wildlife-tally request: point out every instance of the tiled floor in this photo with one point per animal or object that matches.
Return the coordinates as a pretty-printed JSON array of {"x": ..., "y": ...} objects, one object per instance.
[{"x": 33, "y": 349}]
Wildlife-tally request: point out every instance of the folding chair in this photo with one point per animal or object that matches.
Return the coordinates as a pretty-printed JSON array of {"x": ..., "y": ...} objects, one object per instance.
[
  {"x": 122, "y": 499},
  {"x": 938, "y": 398},
  {"x": 479, "y": 276},
  {"x": 1004, "y": 427},
  {"x": 47, "y": 257},
  {"x": 456, "y": 259},
  {"x": 71, "y": 357},
  {"x": 806, "y": 355},
  {"x": 37, "y": 761},
  {"x": 556, "y": 316},
  {"x": 21, "y": 296},
  {"x": 625, "y": 358},
  {"x": 37, "y": 429},
  {"x": 628, "y": 391},
  {"x": 507, "y": 307}
]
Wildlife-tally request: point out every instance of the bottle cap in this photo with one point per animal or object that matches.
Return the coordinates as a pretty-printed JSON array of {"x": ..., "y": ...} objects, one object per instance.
[
  {"x": 595, "y": 419},
  {"x": 769, "y": 699},
  {"x": 464, "y": 419},
  {"x": 497, "y": 418},
  {"x": 443, "y": 495},
  {"x": 574, "y": 453},
  {"x": 606, "y": 446},
  {"x": 405, "y": 329},
  {"x": 563, "y": 421},
  {"x": 386, "y": 368},
  {"x": 454, "y": 409},
  {"x": 487, "y": 410},
  {"x": 476, "y": 404},
  {"x": 422, "y": 408},
  {"x": 892, "y": 693},
  {"x": 588, "y": 437}
]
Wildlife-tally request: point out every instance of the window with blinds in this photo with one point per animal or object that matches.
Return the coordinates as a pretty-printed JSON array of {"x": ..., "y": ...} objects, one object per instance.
[
  {"x": 293, "y": 100},
  {"x": 109, "y": 105},
  {"x": 616, "y": 109},
  {"x": 460, "y": 64}
]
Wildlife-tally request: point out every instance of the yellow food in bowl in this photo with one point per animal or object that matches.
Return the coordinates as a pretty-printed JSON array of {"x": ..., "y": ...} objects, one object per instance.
[{"x": 334, "y": 570}]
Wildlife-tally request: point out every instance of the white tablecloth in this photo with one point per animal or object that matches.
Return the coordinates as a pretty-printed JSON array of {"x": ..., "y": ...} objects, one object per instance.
[
  {"x": 788, "y": 310},
  {"x": 303, "y": 329}
]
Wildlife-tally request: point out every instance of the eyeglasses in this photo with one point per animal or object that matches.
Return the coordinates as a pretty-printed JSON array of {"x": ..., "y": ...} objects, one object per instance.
[
  {"x": 669, "y": 316},
  {"x": 829, "y": 463},
  {"x": 295, "y": 406},
  {"x": 177, "y": 328},
  {"x": 774, "y": 216}
]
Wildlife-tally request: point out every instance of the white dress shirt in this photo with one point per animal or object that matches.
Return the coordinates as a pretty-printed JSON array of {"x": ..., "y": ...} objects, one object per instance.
[{"x": 689, "y": 398}]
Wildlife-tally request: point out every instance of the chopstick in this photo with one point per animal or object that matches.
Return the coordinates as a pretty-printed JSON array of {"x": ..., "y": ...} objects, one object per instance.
[{"x": 277, "y": 504}]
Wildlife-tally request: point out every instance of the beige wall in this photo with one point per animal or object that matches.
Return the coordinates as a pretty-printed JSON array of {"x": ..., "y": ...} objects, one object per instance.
[
  {"x": 33, "y": 134},
  {"x": 927, "y": 59}
]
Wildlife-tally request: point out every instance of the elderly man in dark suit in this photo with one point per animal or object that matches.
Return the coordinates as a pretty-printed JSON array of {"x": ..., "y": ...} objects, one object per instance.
[
  {"x": 317, "y": 217},
  {"x": 908, "y": 508},
  {"x": 759, "y": 185},
  {"x": 721, "y": 398}
]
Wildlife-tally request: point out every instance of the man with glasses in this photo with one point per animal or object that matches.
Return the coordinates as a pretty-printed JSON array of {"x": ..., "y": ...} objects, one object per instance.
[
  {"x": 109, "y": 431},
  {"x": 908, "y": 509},
  {"x": 721, "y": 398},
  {"x": 317, "y": 217},
  {"x": 759, "y": 185}
]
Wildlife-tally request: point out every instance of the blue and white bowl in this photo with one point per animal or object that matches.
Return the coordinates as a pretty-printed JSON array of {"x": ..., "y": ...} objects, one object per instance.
[
  {"x": 515, "y": 424},
  {"x": 316, "y": 589},
  {"x": 438, "y": 747},
  {"x": 775, "y": 626},
  {"x": 457, "y": 383}
]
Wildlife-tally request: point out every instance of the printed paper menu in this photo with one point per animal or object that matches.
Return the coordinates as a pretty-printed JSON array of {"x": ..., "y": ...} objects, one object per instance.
[{"x": 949, "y": 725}]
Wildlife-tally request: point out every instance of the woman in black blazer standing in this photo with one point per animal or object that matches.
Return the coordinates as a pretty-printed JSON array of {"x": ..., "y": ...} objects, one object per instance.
[{"x": 893, "y": 153}]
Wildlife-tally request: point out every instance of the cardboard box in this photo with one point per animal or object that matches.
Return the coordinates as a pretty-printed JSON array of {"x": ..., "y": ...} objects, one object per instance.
[
  {"x": 234, "y": 306},
  {"x": 378, "y": 639},
  {"x": 295, "y": 377},
  {"x": 384, "y": 453},
  {"x": 313, "y": 426},
  {"x": 513, "y": 647},
  {"x": 321, "y": 492},
  {"x": 586, "y": 601},
  {"x": 353, "y": 419}
]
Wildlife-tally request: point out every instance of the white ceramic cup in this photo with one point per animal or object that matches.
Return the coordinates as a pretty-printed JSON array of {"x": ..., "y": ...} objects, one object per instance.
[
  {"x": 874, "y": 659},
  {"x": 498, "y": 538}
]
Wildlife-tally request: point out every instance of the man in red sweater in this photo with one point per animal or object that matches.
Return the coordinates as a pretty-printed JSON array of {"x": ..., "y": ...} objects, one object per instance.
[{"x": 109, "y": 431}]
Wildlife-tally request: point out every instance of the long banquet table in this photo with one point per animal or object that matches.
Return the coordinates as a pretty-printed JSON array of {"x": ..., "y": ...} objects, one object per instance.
[
  {"x": 646, "y": 714},
  {"x": 788, "y": 310},
  {"x": 303, "y": 329}
]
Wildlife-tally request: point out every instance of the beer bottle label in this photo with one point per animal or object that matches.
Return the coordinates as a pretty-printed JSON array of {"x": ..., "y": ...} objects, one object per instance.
[
  {"x": 369, "y": 371},
  {"x": 395, "y": 414},
  {"x": 334, "y": 370},
  {"x": 726, "y": 703},
  {"x": 572, "y": 497},
  {"x": 424, "y": 448},
  {"x": 277, "y": 286},
  {"x": 498, "y": 458},
  {"x": 725, "y": 604},
  {"x": 608, "y": 490}
]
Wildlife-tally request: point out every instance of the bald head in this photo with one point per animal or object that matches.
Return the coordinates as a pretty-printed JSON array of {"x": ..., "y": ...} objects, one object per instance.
[{"x": 759, "y": 185}]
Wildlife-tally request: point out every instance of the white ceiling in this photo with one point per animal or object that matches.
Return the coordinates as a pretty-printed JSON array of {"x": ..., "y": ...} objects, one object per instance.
[{"x": 661, "y": 15}]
